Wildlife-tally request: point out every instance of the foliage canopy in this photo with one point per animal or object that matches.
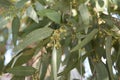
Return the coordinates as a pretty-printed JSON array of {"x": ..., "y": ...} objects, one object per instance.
[{"x": 45, "y": 30}]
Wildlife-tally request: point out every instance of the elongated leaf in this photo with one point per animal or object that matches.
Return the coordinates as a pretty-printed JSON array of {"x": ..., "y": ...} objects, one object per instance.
[
  {"x": 1, "y": 64},
  {"x": 22, "y": 71},
  {"x": 84, "y": 14},
  {"x": 34, "y": 26},
  {"x": 118, "y": 60},
  {"x": 59, "y": 54},
  {"x": 101, "y": 3},
  {"x": 20, "y": 59},
  {"x": 15, "y": 28},
  {"x": 54, "y": 63},
  {"x": 51, "y": 14},
  {"x": 32, "y": 14},
  {"x": 3, "y": 22},
  {"x": 80, "y": 68},
  {"x": 25, "y": 57},
  {"x": 45, "y": 61},
  {"x": 32, "y": 37},
  {"x": 61, "y": 5},
  {"x": 44, "y": 11},
  {"x": 108, "y": 55},
  {"x": 68, "y": 68},
  {"x": 85, "y": 17},
  {"x": 21, "y": 3},
  {"x": 18, "y": 78},
  {"x": 101, "y": 71},
  {"x": 5, "y": 3},
  {"x": 54, "y": 16},
  {"x": 88, "y": 38},
  {"x": 39, "y": 6},
  {"x": 72, "y": 62}
]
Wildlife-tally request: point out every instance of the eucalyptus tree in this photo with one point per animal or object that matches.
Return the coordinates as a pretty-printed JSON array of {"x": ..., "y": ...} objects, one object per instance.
[{"x": 45, "y": 30}]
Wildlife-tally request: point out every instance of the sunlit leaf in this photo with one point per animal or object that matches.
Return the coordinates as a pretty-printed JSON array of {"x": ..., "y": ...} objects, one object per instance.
[
  {"x": 42, "y": 1},
  {"x": 94, "y": 33},
  {"x": 54, "y": 16},
  {"x": 85, "y": 17},
  {"x": 39, "y": 6},
  {"x": 32, "y": 14},
  {"x": 32, "y": 37},
  {"x": 54, "y": 63},
  {"x": 51, "y": 14},
  {"x": 59, "y": 54},
  {"x": 22, "y": 70},
  {"x": 44, "y": 11},
  {"x": 34, "y": 26},
  {"x": 88, "y": 38},
  {"x": 84, "y": 14},
  {"x": 21, "y": 3}
]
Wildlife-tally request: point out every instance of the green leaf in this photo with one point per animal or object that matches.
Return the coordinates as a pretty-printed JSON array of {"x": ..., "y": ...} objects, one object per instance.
[
  {"x": 15, "y": 28},
  {"x": 59, "y": 54},
  {"x": 44, "y": 11},
  {"x": 99, "y": 46},
  {"x": 34, "y": 26},
  {"x": 21, "y": 3},
  {"x": 61, "y": 5},
  {"x": 118, "y": 60},
  {"x": 24, "y": 57},
  {"x": 108, "y": 47},
  {"x": 32, "y": 37},
  {"x": 54, "y": 63},
  {"x": 21, "y": 58},
  {"x": 84, "y": 17},
  {"x": 101, "y": 3},
  {"x": 5, "y": 3},
  {"x": 80, "y": 67},
  {"x": 51, "y": 14},
  {"x": 32, "y": 14},
  {"x": 39, "y": 6},
  {"x": 1, "y": 63},
  {"x": 42, "y": 1},
  {"x": 54, "y": 16},
  {"x": 73, "y": 61},
  {"x": 68, "y": 68},
  {"x": 3, "y": 22},
  {"x": 88, "y": 38},
  {"x": 101, "y": 71},
  {"x": 84, "y": 14},
  {"x": 45, "y": 61},
  {"x": 22, "y": 71},
  {"x": 18, "y": 78}
]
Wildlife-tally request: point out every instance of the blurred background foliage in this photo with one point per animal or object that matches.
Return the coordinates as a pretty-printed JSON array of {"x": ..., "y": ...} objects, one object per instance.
[{"x": 47, "y": 35}]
